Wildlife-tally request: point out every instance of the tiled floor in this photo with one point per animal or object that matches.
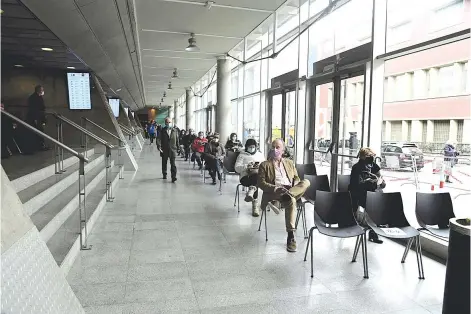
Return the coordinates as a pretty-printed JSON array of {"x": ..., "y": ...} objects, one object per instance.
[{"x": 183, "y": 248}]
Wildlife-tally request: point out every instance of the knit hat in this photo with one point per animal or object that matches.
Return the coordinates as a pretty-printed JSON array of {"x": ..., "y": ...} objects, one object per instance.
[{"x": 250, "y": 142}]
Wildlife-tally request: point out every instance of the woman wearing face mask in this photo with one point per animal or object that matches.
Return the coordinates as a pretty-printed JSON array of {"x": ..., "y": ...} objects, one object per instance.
[
  {"x": 282, "y": 187},
  {"x": 247, "y": 166},
  {"x": 233, "y": 143},
  {"x": 365, "y": 176},
  {"x": 214, "y": 154},
  {"x": 198, "y": 149}
]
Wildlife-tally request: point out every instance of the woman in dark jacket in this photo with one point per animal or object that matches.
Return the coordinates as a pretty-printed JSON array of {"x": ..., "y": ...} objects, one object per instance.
[
  {"x": 233, "y": 143},
  {"x": 214, "y": 155},
  {"x": 365, "y": 176},
  {"x": 450, "y": 153}
]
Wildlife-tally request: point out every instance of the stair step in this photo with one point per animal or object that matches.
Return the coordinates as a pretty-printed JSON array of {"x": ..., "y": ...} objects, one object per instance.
[
  {"x": 37, "y": 195},
  {"x": 49, "y": 218},
  {"x": 27, "y": 170},
  {"x": 65, "y": 242}
]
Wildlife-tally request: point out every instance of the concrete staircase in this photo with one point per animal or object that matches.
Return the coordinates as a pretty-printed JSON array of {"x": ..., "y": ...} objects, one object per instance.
[{"x": 52, "y": 202}]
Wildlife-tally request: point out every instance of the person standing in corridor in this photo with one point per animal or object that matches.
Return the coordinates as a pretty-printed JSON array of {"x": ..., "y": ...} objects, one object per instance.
[
  {"x": 36, "y": 117},
  {"x": 168, "y": 143}
]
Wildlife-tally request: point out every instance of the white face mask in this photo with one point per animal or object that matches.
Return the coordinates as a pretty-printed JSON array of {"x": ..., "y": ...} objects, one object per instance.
[
  {"x": 251, "y": 149},
  {"x": 41, "y": 93}
]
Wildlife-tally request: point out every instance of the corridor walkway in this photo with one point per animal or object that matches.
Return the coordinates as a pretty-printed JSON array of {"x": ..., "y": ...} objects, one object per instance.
[{"x": 183, "y": 248}]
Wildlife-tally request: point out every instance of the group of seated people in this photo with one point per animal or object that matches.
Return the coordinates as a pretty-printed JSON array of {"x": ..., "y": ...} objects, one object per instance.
[{"x": 276, "y": 176}]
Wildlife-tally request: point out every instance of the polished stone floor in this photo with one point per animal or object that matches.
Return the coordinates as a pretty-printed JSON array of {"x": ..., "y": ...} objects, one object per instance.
[{"x": 183, "y": 248}]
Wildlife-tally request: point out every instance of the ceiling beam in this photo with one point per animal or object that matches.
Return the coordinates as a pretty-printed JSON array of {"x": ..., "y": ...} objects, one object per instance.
[{"x": 189, "y": 34}]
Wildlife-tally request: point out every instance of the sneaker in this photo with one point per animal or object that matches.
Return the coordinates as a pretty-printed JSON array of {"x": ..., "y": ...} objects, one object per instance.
[
  {"x": 291, "y": 245},
  {"x": 249, "y": 194},
  {"x": 214, "y": 182},
  {"x": 255, "y": 209},
  {"x": 165, "y": 177},
  {"x": 174, "y": 179},
  {"x": 274, "y": 206}
]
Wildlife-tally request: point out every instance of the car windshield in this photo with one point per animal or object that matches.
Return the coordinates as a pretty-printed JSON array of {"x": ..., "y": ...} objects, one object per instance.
[{"x": 411, "y": 150}]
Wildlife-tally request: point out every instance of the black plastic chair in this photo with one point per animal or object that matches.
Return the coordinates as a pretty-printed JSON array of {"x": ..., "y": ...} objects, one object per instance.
[
  {"x": 303, "y": 169},
  {"x": 433, "y": 212},
  {"x": 384, "y": 213},
  {"x": 320, "y": 183},
  {"x": 343, "y": 182},
  {"x": 229, "y": 168},
  {"x": 333, "y": 217}
]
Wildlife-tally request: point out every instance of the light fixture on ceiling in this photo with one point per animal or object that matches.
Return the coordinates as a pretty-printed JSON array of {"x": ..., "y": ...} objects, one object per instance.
[
  {"x": 19, "y": 65},
  {"x": 118, "y": 90},
  {"x": 169, "y": 85},
  {"x": 192, "y": 44},
  {"x": 47, "y": 49},
  {"x": 71, "y": 68},
  {"x": 162, "y": 100},
  {"x": 165, "y": 94},
  {"x": 175, "y": 74}
]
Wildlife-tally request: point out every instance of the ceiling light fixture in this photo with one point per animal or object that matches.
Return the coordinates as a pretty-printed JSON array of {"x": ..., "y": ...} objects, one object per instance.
[
  {"x": 175, "y": 74},
  {"x": 19, "y": 65},
  {"x": 71, "y": 68},
  {"x": 192, "y": 44},
  {"x": 169, "y": 85},
  {"x": 162, "y": 100},
  {"x": 47, "y": 49},
  {"x": 209, "y": 4},
  {"x": 119, "y": 89}
]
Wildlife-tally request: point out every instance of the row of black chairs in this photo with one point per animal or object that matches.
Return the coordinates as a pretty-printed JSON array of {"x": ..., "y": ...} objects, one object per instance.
[{"x": 333, "y": 215}]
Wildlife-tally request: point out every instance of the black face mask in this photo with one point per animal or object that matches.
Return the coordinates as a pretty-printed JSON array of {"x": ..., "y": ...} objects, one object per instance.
[{"x": 369, "y": 160}]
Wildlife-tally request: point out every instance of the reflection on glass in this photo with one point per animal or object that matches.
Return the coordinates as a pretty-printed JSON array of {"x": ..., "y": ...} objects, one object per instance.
[
  {"x": 323, "y": 127},
  {"x": 252, "y": 119},
  {"x": 290, "y": 123},
  {"x": 276, "y": 119}
]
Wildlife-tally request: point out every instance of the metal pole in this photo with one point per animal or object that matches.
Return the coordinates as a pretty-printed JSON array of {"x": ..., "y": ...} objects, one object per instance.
[
  {"x": 62, "y": 150},
  {"x": 335, "y": 133},
  {"x": 109, "y": 192},
  {"x": 57, "y": 163},
  {"x": 121, "y": 166},
  {"x": 82, "y": 208}
]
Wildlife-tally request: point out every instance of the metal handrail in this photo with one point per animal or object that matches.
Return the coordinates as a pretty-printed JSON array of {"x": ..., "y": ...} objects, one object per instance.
[
  {"x": 128, "y": 131},
  {"x": 34, "y": 130},
  {"x": 85, "y": 131},
  {"x": 102, "y": 128}
]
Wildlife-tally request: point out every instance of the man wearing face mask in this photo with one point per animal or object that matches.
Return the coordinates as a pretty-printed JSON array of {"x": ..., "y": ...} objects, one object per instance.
[
  {"x": 168, "y": 143},
  {"x": 365, "y": 176},
  {"x": 36, "y": 117},
  {"x": 188, "y": 141},
  {"x": 246, "y": 165},
  {"x": 198, "y": 149},
  {"x": 282, "y": 187},
  {"x": 233, "y": 143},
  {"x": 214, "y": 154}
]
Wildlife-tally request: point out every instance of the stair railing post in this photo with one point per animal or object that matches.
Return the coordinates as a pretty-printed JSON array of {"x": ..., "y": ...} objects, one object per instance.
[
  {"x": 109, "y": 185},
  {"x": 82, "y": 208},
  {"x": 57, "y": 163},
  {"x": 62, "y": 150},
  {"x": 120, "y": 164}
]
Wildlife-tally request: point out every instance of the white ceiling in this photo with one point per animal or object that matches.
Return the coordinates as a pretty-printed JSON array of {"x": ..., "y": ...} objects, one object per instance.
[{"x": 164, "y": 27}]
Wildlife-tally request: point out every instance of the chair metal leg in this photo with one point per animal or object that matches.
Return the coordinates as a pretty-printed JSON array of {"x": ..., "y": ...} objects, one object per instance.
[
  {"x": 312, "y": 256},
  {"x": 266, "y": 229},
  {"x": 236, "y": 194},
  {"x": 261, "y": 219},
  {"x": 304, "y": 221},
  {"x": 308, "y": 242},
  {"x": 406, "y": 251},
  {"x": 357, "y": 247},
  {"x": 298, "y": 214},
  {"x": 238, "y": 200},
  {"x": 364, "y": 252},
  {"x": 418, "y": 251}
]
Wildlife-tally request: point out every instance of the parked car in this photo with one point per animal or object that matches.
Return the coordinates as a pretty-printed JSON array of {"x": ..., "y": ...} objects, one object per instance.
[{"x": 404, "y": 152}]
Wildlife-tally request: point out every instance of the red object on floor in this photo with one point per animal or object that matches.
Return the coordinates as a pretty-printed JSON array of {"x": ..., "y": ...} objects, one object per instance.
[
  {"x": 432, "y": 187},
  {"x": 442, "y": 184}
]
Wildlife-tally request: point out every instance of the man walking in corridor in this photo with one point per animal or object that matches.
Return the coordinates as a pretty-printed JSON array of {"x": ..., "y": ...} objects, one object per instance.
[{"x": 168, "y": 143}]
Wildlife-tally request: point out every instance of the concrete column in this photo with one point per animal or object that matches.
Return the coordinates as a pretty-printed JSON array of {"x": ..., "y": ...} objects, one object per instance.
[
  {"x": 405, "y": 130},
  {"x": 190, "y": 109},
  {"x": 171, "y": 113},
  {"x": 387, "y": 131},
  {"x": 453, "y": 137},
  {"x": 467, "y": 131},
  {"x": 417, "y": 128},
  {"x": 224, "y": 107},
  {"x": 175, "y": 114},
  {"x": 430, "y": 131}
]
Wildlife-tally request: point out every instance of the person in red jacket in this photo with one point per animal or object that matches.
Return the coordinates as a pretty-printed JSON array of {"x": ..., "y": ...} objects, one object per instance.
[{"x": 198, "y": 148}]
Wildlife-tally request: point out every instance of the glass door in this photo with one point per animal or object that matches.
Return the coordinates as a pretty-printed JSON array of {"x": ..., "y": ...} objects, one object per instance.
[
  {"x": 276, "y": 117},
  {"x": 339, "y": 125}
]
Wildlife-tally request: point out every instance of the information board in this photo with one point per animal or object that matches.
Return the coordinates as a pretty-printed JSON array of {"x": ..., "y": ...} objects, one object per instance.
[
  {"x": 79, "y": 91},
  {"x": 114, "y": 104}
]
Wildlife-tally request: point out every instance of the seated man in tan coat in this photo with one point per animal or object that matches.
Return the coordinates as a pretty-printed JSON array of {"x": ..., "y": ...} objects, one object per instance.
[{"x": 281, "y": 186}]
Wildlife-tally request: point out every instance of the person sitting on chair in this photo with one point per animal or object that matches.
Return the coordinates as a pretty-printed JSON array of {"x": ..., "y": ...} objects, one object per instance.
[
  {"x": 187, "y": 142},
  {"x": 198, "y": 149},
  {"x": 233, "y": 143},
  {"x": 214, "y": 154},
  {"x": 365, "y": 176},
  {"x": 247, "y": 166},
  {"x": 282, "y": 187}
]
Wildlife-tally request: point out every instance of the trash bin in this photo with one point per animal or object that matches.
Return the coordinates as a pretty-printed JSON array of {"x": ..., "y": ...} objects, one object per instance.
[{"x": 456, "y": 294}]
